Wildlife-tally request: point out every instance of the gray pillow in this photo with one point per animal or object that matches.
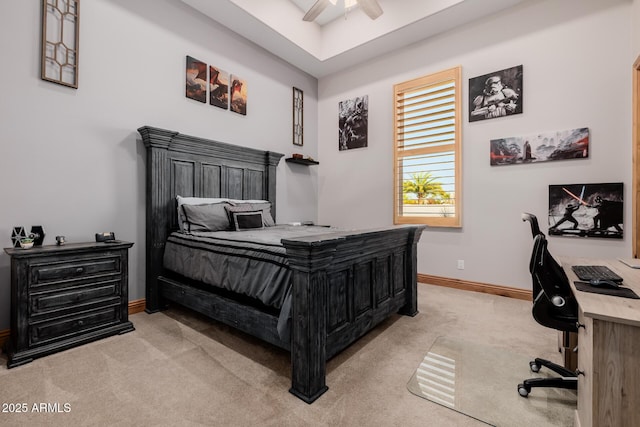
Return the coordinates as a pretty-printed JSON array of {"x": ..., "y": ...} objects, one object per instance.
[
  {"x": 182, "y": 221},
  {"x": 265, "y": 207},
  {"x": 209, "y": 217}
]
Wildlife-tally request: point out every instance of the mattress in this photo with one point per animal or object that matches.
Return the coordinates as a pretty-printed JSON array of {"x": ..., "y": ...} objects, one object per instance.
[{"x": 252, "y": 263}]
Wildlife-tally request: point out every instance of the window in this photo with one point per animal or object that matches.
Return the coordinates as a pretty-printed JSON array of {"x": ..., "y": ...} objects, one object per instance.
[{"x": 427, "y": 150}]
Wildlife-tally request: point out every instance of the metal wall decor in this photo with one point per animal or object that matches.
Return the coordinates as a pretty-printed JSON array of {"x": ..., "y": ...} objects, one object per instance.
[
  {"x": 60, "y": 39},
  {"x": 298, "y": 117}
]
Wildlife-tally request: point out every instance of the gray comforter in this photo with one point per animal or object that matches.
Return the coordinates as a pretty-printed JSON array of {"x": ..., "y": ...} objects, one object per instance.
[{"x": 251, "y": 263}]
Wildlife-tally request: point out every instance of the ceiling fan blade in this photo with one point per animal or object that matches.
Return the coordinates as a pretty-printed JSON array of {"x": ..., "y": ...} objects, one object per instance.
[
  {"x": 371, "y": 8},
  {"x": 317, "y": 8}
]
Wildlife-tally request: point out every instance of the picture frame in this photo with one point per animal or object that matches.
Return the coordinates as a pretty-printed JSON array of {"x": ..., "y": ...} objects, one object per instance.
[
  {"x": 196, "y": 83},
  {"x": 497, "y": 94},
  {"x": 60, "y": 41},
  {"x": 298, "y": 117},
  {"x": 238, "y": 95},
  {"x": 540, "y": 147},
  {"x": 218, "y": 87},
  {"x": 587, "y": 210},
  {"x": 353, "y": 123}
]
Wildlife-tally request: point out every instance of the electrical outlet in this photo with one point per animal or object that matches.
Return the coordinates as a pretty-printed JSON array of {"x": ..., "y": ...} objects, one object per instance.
[{"x": 460, "y": 264}]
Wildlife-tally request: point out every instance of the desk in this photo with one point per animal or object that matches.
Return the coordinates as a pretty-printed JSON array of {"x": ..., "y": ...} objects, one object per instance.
[{"x": 608, "y": 350}]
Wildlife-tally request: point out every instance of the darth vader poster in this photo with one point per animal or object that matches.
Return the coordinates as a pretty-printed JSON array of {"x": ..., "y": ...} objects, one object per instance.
[{"x": 586, "y": 210}]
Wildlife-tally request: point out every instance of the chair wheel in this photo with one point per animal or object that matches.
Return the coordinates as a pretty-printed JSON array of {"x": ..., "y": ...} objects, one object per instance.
[
  {"x": 523, "y": 391},
  {"x": 534, "y": 367}
]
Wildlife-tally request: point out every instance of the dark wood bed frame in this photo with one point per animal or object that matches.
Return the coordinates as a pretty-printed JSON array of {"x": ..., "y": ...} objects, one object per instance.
[{"x": 344, "y": 284}]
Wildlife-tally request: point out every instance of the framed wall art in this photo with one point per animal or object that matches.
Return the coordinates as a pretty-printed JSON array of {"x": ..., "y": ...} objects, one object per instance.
[
  {"x": 540, "y": 147},
  {"x": 496, "y": 94},
  {"x": 219, "y": 87},
  {"x": 60, "y": 41},
  {"x": 353, "y": 123},
  {"x": 196, "y": 80},
  {"x": 298, "y": 117},
  {"x": 586, "y": 210},
  {"x": 238, "y": 95}
]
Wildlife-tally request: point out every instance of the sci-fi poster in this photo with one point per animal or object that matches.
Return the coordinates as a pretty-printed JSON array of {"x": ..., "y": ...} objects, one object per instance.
[
  {"x": 353, "y": 119},
  {"x": 496, "y": 94},
  {"x": 540, "y": 147},
  {"x": 586, "y": 210}
]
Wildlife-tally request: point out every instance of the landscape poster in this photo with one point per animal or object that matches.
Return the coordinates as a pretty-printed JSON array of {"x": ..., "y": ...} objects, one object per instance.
[{"x": 540, "y": 147}]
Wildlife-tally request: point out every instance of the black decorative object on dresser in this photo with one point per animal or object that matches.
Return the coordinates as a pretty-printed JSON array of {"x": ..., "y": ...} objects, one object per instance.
[{"x": 64, "y": 296}]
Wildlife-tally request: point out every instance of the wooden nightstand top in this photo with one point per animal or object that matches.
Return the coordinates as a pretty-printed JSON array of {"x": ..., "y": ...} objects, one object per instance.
[{"x": 66, "y": 248}]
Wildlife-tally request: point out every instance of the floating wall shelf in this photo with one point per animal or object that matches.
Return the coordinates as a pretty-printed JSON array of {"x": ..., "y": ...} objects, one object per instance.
[{"x": 305, "y": 162}]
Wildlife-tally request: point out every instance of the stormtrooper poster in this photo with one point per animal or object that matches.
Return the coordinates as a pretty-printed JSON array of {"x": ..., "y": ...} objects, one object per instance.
[
  {"x": 352, "y": 123},
  {"x": 586, "y": 210},
  {"x": 496, "y": 94}
]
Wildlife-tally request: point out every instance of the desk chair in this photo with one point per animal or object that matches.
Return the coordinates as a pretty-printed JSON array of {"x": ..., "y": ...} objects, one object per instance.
[
  {"x": 553, "y": 306},
  {"x": 533, "y": 221}
]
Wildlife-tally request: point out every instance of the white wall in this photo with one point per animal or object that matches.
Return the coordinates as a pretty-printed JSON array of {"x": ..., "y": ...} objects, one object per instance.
[
  {"x": 576, "y": 57},
  {"x": 72, "y": 160},
  {"x": 636, "y": 28}
]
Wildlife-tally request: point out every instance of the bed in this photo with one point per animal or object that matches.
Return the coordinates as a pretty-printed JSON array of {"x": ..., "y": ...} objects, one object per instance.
[{"x": 342, "y": 283}]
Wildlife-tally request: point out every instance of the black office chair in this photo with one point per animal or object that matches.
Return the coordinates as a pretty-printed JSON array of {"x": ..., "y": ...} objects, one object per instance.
[
  {"x": 553, "y": 306},
  {"x": 533, "y": 221}
]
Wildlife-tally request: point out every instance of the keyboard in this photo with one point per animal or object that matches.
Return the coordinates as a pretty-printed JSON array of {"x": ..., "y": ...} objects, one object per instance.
[{"x": 597, "y": 272}]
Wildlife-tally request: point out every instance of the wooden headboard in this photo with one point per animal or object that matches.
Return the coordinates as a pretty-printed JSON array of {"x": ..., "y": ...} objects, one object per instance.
[{"x": 189, "y": 166}]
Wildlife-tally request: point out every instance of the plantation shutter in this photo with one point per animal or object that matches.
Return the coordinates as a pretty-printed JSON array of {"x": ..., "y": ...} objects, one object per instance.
[{"x": 427, "y": 140}]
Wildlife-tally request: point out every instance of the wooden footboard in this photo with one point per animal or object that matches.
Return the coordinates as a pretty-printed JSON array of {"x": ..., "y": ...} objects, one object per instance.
[{"x": 343, "y": 286}]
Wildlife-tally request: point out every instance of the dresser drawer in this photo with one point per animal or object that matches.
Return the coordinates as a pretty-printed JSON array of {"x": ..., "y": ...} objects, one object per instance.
[
  {"x": 77, "y": 324},
  {"x": 45, "y": 273},
  {"x": 46, "y": 302},
  {"x": 65, "y": 296}
]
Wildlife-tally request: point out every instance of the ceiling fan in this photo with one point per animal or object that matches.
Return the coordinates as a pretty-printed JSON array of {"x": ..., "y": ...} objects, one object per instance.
[{"x": 370, "y": 7}]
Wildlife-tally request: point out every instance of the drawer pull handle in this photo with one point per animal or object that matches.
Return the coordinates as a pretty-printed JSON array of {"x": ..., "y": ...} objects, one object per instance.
[
  {"x": 80, "y": 322},
  {"x": 580, "y": 325},
  {"x": 79, "y": 270}
]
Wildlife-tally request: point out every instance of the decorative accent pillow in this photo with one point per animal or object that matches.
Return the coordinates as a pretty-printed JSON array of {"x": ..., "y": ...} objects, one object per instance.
[
  {"x": 193, "y": 201},
  {"x": 210, "y": 217},
  {"x": 255, "y": 205},
  {"x": 246, "y": 220}
]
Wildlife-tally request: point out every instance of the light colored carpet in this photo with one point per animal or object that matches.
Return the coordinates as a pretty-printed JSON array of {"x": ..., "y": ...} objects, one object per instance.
[{"x": 178, "y": 368}]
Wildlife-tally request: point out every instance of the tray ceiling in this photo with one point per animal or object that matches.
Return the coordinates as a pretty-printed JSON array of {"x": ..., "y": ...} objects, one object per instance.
[{"x": 335, "y": 42}]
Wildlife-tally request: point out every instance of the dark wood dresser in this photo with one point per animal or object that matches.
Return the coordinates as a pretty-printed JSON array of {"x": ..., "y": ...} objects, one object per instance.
[{"x": 64, "y": 296}]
